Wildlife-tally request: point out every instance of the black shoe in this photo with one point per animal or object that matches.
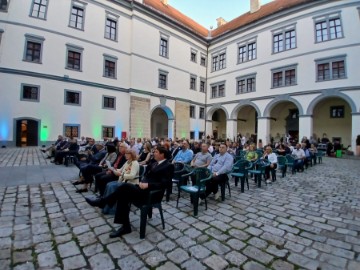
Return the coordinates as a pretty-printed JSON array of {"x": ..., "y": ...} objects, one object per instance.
[
  {"x": 78, "y": 183},
  {"x": 95, "y": 202},
  {"x": 82, "y": 190},
  {"x": 123, "y": 230},
  {"x": 42, "y": 150}
]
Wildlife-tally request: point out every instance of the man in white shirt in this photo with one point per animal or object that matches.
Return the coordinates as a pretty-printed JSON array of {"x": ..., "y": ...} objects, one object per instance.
[{"x": 299, "y": 157}]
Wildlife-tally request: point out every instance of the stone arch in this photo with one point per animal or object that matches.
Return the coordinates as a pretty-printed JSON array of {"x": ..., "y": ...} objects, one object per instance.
[
  {"x": 279, "y": 99},
  {"x": 214, "y": 109},
  {"x": 166, "y": 109},
  {"x": 330, "y": 94},
  {"x": 242, "y": 104}
]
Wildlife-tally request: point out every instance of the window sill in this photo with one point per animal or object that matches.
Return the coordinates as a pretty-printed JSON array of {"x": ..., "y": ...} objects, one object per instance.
[
  {"x": 44, "y": 19},
  {"x": 247, "y": 61},
  {"x": 114, "y": 40},
  {"x": 324, "y": 41},
  {"x": 77, "y": 70},
  {"x": 162, "y": 88},
  {"x": 108, "y": 108},
  {"x": 73, "y": 104},
  {"x": 329, "y": 80},
  {"x": 107, "y": 77},
  {"x": 166, "y": 57},
  {"x": 30, "y": 100},
  {"x": 80, "y": 29},
  {"x": 283, "y": 86},
  {"x": 274, "y": 53},
  {"x": 32, "y": 62},
  {"x": 245, "y": 93}
]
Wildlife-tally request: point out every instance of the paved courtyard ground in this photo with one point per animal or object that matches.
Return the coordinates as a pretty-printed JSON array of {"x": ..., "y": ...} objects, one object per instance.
[{"x": 309, "y": 220}]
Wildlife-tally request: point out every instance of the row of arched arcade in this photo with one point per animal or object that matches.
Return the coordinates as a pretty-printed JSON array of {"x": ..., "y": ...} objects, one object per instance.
[{"x": 334, "y": 115}]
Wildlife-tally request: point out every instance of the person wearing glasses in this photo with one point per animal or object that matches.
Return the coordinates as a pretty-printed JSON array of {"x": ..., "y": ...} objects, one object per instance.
[{"x": 272, "y": 158}]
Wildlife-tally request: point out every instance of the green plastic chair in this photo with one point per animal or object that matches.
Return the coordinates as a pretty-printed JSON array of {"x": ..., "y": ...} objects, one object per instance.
[
  {"x": 320, "y": 155},
  {"x": 258, "y": 170},
  {"x": 240, "y": 171},
  {"x": 200, "y": 177},
  {"x": 281, "y": 164},
  {"x": 290, "y": 162}
]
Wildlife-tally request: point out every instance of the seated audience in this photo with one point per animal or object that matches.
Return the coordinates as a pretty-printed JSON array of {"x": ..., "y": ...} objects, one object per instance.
[
  {"x": 89, "y": 171},
  {"x": 72, "y": 148},
  {"x": 313, "y": 151},
  {"x": 251, "y": 155},
  {"x": 203, "y": 158},
  {"x": 145, "y": 156},
  {"x": 129, "y": 173},
  {"x": 185, "y": 155},
  {"x": 220, "y": 166},
  {"x": 55, "y": 146},
  {"x": 299, "y": 155},
  {"x": 106, "y": 176},
  {"x": 272, "y": 158},
  {"x": 157, "y": 176}
]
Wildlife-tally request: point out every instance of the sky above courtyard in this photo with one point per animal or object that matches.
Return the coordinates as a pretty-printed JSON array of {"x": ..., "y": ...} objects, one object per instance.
[{"x": 206, "y": 12}]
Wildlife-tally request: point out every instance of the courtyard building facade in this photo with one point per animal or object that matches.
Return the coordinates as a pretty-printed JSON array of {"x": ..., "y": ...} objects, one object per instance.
[{"x": 143, "y": 69}]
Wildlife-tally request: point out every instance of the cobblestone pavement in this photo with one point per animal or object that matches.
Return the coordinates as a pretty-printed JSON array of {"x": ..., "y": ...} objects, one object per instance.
[
  {"x": 22, "y": 156},
  {"x": 307, "y": 221}
]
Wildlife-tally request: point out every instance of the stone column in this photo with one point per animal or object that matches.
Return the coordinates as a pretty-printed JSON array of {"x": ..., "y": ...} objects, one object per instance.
[
  {"x": 171, "y": 127},
  {"x": 264, "y": 129},
  {"x": 355, "y": 131},
  {"x": 305, "y": 126},
  {"x": 231, "y": 129},
  {"x": 208, "y": 128}
]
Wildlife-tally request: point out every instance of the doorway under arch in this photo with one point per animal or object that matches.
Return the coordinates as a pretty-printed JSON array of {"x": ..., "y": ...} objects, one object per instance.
[
  {"x": 162, "y": 121},
  {"x": 247, "y": 118},
  {"x": 219, "y": 124}
]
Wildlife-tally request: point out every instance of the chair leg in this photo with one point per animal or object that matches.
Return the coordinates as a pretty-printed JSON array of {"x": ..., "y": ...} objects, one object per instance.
[
  {"x": 161, "y": 215},
  {"x": 242, "y": 184},
  {"x": 177, "y": 201},
  {"x": 143, "y": 219},
  {"x": 196, "y": 204},
  {"x": 247, "y": 182},
  {"x": 149, "y": 213},
  {"x": 222, "y": 186},
  {"x": 228, "y": 184}
]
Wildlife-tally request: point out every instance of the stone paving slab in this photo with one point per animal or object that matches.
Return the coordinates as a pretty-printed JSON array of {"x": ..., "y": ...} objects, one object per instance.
[
  {"x": 309, "y": 220},
  {"x": 22, "y": 156}
]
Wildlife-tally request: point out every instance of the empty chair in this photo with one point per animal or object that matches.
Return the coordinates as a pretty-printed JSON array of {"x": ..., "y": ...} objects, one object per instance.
[
  {"x": 258, "y": 170},
  {"x": 282, "y": 165}
]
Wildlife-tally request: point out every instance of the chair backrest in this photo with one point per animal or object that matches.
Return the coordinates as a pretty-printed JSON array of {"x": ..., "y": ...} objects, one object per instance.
[
  {"x": 242, "y": 166},
  {"x": 260, "y": 153},
  {"x": 200, "y": 175},
  {"x": 290, "y": 158},
  {"x": 179, "y": 170},
  {"x": 281, "y": 160}
]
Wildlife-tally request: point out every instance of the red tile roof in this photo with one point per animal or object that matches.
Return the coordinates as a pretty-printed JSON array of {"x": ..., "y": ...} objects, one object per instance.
[
  {"x": 177, "y": 16},
  {"x": 243, "y": 20}
]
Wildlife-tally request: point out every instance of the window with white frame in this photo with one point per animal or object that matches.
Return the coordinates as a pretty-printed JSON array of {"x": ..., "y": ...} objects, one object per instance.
[
  {"x": 218, "y": 90},
  {"x": 246, "y": 84},
  {"x": 111, "y": 26},
  {"x": 77, "y": 15},
  {"x": 109, "y": 102},
  {"x": 202, "y": 85},
  {"x": 284, "y": 39},
  {"x": 202, "y": 113},
  {"x": 192, "y": 111},
  {"x": 164, "y": 45},
  {"x": 39, "y": 9},
  {"x": 74, "y": 57},
  {"x": 4, "y": 5},
  {"x": 72, "y": 130},
  {"x": 284, "y": 76},
  {"x": 193, "y": 82},
  {"x": 110, "y": 63},
  {"x": 30, "y": 92},
  {"x": 328, "y": 27},
  {"x": 33, "y": 48},
  {"x": 219, "y": 60},
  {"x": 72, "y": 97},
  {"x": 247, "y": 50},
  {"x": 163, "y": 79},
  {"x": 108, "y": 131},
  {"x": 331, "y": 68}
]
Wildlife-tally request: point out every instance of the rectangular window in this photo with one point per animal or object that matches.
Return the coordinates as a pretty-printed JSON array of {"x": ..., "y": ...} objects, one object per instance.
[
  {"x": 218, "y": 90},
  {"x": 246, "y": 84},
  {"x": 284, "y": 39},
  {"x": 192, "y": 111},
  {"x": 202, "y": 135},
  {"x": 192, "y": 135},
  {"x": 108, "y": 132},
  {"x": 109, "y": 102},
  {"x": 30, "y": 92},
  {"x": 39, "y": 9},
  {"x": 110, "y": 63},
  {"x": 71, "y": 131},
  {"x": 202, "y": 113},
  {"x": 74, "y": 54},
  {"x": 331, "y": 69},
  {"x": 77, "y": 18},
  {"x": 202, "y": 86},
  {"x": 213, "y": 91},
  {"x": 33, "y": 52},
  {"x": 219, "y": 61},
  {"x": 163, "y": 76},
  {"x": 110, "y": 29},
  {"x": 72, "y": 97},
  {"x": 193, "y": 82},
  {"x": 328, "y": 27},
  {"x": 221, "y": 90},
  {"x": 285, "y": 76},
  {"x": 33, "y": 48},
  {"x": 193, "y": 57},
  {"x": 337, "y": 112},
  {"x": 164, "y": 46},
  {"x": 247, "y": 51},
  {"x": 4, "y": 5},
  {"x": 203, "y": 61}
]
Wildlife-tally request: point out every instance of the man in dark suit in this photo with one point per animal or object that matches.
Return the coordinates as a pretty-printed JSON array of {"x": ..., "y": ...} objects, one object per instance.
[{"x": 157, "y": 177}]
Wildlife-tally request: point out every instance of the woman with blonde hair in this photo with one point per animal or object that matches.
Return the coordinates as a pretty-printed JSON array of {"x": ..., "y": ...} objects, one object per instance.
[
  {"x": 129, "y": 173},
  {"x": 145, "y": 156}
]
